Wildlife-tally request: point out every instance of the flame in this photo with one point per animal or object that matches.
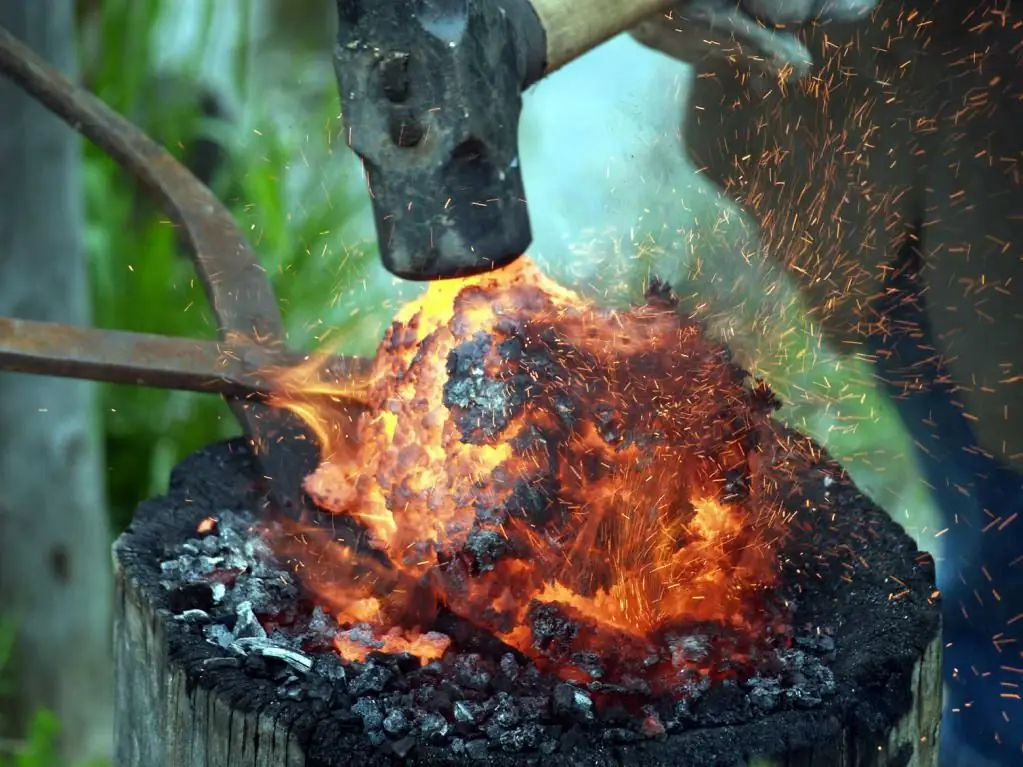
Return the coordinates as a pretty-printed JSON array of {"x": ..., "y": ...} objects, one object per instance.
[{"x": 565, "y": 478}]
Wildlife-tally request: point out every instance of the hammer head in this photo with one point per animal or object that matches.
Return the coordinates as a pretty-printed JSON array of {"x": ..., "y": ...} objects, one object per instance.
[{"x": 431, "y": 96}]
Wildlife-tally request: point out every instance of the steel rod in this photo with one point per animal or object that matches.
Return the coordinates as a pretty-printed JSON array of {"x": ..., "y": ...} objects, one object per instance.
[{"x": 164, "y": 362}]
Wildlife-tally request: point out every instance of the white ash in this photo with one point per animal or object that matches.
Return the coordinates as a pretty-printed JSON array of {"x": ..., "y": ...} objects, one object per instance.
[{"x": 227, "y": 584}]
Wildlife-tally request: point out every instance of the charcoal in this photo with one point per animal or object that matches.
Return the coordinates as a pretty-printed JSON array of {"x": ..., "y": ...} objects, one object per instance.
[
  {"x": 550, "y": 624},
  {"x": 430, "y": 698},
  {"x": 477, "y": 749},
  {"x": 210, "y": 664},
  {"x": 765, "y": 695},
  {"x": 821, "y": 644},
  {"x": 369, "y": 710},
  {"x": 723, "y": 704},
  {"x": 293, "y": 659},
  {"x": 510, "y": 666},
  {"x": 331, "y": 667},
  {"x": 533, "y": 708},
  {"x": 482, "y": 406},
  {"x": 397, "y": 722},
  {"x": 486, "y": 547},
  {"x": 291, "y": 690},
  {"x": 619, "y": 735},
  {"x": 403, "y": 747},
  {"x": 573, "y": 702},
  {"x": 481, "y": 700},
  {"x": 433, "y": 727},
  {"x": 375, "y": 677},
  {"x": 470, "y": 672},
  {"x": 590, "y": 663},
  {"x": 524, "y": 738},
  {"x": 468, "y": 711},
  {"x": 507, "y": 712}
]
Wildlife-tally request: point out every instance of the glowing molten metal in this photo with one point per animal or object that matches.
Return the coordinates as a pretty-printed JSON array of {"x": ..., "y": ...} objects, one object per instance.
[{"x": 579, "y": 483}]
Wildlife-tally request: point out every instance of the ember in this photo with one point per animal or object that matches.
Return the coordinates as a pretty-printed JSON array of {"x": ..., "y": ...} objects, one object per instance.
[{"x": 580, "y": 484}]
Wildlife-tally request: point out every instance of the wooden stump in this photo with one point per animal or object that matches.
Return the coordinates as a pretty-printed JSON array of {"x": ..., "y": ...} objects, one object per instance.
[{"x": 184, "y": 701}]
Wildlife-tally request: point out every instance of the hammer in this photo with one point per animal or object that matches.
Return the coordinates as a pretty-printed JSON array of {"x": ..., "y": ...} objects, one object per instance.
[{"x": 431, "y": 92}]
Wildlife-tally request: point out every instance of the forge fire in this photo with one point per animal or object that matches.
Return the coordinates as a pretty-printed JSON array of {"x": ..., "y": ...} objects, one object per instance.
[
  {"x": 553, "y": 536},
  {"x": 580, "y": 484}
]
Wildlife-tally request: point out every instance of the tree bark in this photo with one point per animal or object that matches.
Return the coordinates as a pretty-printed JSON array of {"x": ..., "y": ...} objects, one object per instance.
[{"x": 55, "y": 578}]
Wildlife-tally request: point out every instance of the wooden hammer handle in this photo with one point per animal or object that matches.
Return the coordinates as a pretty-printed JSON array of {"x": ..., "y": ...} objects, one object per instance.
[{"x": 573, "y": 27}]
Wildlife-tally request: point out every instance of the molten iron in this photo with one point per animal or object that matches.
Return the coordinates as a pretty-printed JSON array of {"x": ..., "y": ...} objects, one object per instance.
[{"x": 581, "y": 484}]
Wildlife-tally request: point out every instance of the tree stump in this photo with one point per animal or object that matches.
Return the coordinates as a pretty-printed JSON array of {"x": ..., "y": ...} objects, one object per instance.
[{"x": 208, "y": 674}]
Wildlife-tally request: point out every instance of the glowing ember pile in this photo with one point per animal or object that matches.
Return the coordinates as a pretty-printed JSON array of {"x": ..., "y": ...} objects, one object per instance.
[{"x": 580, "y": 484}]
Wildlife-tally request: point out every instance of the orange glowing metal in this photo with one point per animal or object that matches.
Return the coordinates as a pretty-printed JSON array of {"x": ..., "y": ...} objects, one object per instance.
[{"x": 621, "y": 430}]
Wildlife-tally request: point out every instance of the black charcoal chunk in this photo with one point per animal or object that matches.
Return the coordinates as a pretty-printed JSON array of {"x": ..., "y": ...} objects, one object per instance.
[
  {"x": 477, "y": 749},
  {"x": 507, "y": 712},
  {"x": 724, "y": 704},
  {"x": 573, "y": 702},
  {"x": 525, "y": 738},
  {"x": 617, "y": 735},
  {"x": 764, "y": 694},
  {"x": 548, "y": 624},
  {"x": 468, "y": 711},
  {"x": 510, "y": 666},
  {"x": 397, "y": 722},
  {"x": 470, "y": 672},
  {"x": 486, "y": 547},
  {"x": 533, "y": 708},
  {"x": 403, "y": 747},
  {"x": 822, "y": 644},
  {"x": 369, "y": 711},
  {"x": 291, "y": 690},
  {"x": 588, "y": 662},
  {"x": 374, "y": 678},
  {"x": 533, "y": 501},
  {"x": 433, "y": 727},
  {"x": 331, "y": 667},
  {"x": 482, "y": 406}
]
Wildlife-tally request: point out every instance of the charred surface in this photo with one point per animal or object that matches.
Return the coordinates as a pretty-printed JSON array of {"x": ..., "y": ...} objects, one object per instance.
[{"x": 231, "y": 622}]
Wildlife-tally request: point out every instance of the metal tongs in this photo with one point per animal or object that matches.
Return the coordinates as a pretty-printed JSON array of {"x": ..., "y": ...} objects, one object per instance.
[{"x": 248, "y": 320}]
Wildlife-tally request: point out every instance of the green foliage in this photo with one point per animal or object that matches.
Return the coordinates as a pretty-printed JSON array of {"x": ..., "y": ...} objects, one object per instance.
[
  {"x": 141, "y": 276},
  {"x": 38, "y": 747}
]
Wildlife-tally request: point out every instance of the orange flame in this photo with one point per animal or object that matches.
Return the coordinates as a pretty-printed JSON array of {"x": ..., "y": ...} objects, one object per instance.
[{"x": 525, "y": 451}]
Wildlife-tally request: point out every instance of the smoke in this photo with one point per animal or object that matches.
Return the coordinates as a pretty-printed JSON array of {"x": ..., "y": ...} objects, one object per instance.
[{"x": 610, "y": 189}]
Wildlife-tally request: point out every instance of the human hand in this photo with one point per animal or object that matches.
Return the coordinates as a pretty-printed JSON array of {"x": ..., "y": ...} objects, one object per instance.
[{"x": 758, "y": 33}]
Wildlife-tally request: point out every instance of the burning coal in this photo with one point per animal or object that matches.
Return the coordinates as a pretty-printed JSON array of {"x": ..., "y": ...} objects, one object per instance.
[{"x": 581, "y": 484}]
